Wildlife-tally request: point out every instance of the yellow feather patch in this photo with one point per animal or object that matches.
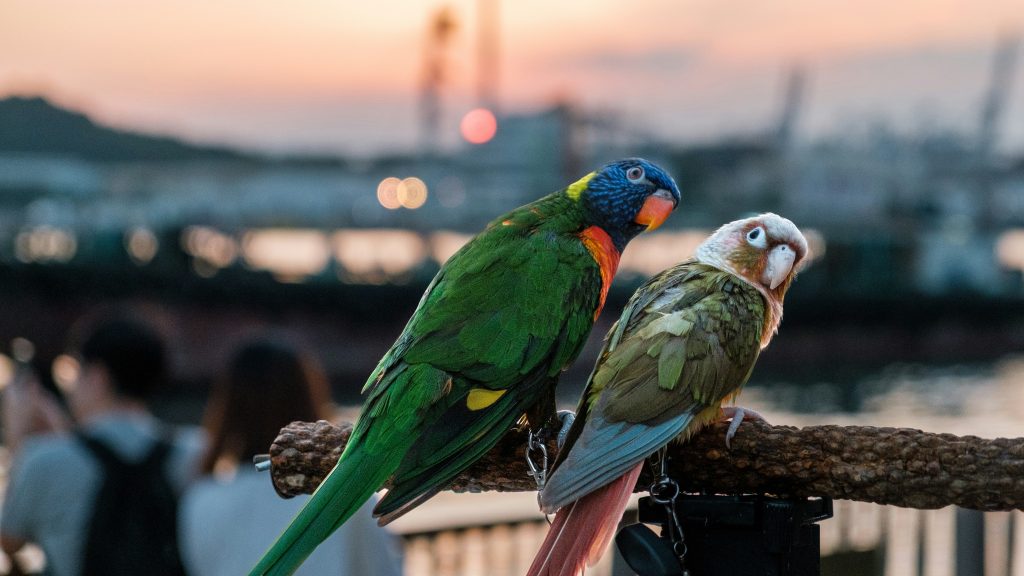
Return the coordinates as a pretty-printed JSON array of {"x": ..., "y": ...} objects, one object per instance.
[
  {"x": 707, "y": 416},
  {"x": 480, "y": 398},
  {"x": 576, "y": 188}
]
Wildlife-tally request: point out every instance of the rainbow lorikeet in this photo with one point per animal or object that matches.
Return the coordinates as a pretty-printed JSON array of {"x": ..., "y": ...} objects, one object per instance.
[
  {"x": 502, "y": 318},
  {"x": 686, "y": 341}
]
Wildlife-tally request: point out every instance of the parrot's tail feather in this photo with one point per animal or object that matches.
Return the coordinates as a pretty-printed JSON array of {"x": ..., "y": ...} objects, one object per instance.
[
  {"x": 351, "y": 483},
  {"x": 582, "y": 530},
  {"x": 389, "y": 517}
]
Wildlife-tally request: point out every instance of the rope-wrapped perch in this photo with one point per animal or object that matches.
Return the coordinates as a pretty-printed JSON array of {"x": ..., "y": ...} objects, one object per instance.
[{"x": 897, "y": 466}]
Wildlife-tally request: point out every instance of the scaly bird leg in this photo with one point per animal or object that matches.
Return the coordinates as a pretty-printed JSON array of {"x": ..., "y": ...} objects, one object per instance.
[
  {"x": 566, "y": 417},
  {"x": 536, "y": 445},
  {"x": 737, "y": 414}
]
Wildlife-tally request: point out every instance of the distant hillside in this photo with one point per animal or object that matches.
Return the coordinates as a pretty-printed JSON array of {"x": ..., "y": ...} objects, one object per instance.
[{"x": 34, "y": 125}]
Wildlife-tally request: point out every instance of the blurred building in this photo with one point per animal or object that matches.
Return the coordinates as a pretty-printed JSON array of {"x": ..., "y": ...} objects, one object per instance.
[{"x": 905, "y": 214}]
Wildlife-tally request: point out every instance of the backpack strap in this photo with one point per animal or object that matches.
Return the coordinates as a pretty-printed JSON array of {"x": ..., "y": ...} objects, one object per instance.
[
  {"x": 99, "y": 449},
  {"x": 158, "y": 453},
  {"x": 110, "y": 460}
]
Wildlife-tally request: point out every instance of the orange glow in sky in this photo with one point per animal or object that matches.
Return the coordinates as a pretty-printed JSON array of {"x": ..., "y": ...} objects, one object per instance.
[
  {"x": 346, "y": 76},
  {"x": 478, "y": 126}
]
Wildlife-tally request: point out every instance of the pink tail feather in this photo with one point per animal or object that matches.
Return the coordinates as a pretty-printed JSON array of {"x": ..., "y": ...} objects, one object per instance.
[{"x": 582, "y": 530}]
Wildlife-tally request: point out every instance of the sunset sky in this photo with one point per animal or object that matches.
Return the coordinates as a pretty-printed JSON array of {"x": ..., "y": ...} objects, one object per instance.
[{"x": 343, "y": 76}]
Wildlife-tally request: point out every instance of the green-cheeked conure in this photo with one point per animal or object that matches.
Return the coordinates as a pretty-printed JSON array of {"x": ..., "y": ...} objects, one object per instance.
[
  {"x": 503, "y": 317},
  {"x": 686, "y": 341}
]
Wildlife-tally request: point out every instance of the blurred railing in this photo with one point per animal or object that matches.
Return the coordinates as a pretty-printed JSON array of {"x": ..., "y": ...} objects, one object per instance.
[
  {"x": 502, "y": 549},
  {"x": 945, "y": 542},
  {"x": 862, "y": 539}
]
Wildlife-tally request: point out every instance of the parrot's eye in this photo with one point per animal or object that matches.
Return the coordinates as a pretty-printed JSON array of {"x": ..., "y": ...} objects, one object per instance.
[
  {"x": 635, "y": 174},
  {"x": 756, "y": 237}
]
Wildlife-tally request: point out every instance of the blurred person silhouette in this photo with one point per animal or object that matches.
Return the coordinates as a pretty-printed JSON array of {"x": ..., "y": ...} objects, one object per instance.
[
  {"x": 100, "y": 497},
  {"x": 30, "y": 408},
  {"x": 232, "y": 514}
]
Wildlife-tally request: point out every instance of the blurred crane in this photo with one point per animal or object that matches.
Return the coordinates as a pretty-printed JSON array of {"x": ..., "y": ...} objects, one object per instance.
[
  {"x": 442, "y": 26},
  {"x": 488, "y": 29},
  {"x": 791, "y": 103},
  {"x": 1003, "y": 64}
]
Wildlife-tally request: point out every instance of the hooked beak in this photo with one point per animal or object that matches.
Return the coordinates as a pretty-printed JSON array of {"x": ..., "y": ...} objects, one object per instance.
[
  {"x": 780, "y": 264},
  {"x": 656, "y": 209}
]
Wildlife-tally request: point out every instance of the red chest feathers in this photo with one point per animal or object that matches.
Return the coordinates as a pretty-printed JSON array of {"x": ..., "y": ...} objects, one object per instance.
[{"x": 603, "y": 250}]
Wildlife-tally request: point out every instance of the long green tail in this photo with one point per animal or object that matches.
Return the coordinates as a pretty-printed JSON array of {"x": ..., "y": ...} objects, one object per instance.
[{"x": 351, "y": 483}]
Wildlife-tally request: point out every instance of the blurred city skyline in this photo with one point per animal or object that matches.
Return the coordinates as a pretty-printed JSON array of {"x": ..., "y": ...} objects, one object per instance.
[{"x": 314, "y": 76}]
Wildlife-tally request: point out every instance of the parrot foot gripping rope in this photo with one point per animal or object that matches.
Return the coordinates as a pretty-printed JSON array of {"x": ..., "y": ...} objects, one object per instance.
[
  {"x": 566, "y": 417},
  {"x": 737, "y": 414}
]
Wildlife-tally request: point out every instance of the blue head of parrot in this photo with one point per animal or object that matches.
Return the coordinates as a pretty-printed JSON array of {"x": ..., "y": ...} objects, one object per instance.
[{"x": 627, "y": 197}]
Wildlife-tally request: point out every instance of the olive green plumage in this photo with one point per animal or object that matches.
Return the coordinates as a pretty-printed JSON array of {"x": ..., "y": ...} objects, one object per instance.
[
  {"x": 695, "y": 340},
  {"x": 687, "y": 339},
  {"x": 502, "y": 318}
]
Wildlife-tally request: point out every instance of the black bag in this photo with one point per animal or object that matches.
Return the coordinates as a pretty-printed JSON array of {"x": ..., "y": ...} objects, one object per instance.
[{"x": 134, "y": 525}]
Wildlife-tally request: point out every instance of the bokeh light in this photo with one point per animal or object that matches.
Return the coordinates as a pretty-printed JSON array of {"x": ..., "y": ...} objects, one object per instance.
[
  {"x": 211, "y": 249},
  {"x": 66, "y": 370},
  {"x": 387, "y": 193},
  {"x": 45, "y": 244},
  {"x": 478, "y": 126},
  {"x": 290, "y": 255},
  {"x": 444, "y": 243},
  {"x": 1010, "y": 249},
  {"x": 141, "y": 245},
  {"x": 378, "y": 256},
  {"x": 657, "y": 251},
  {"x": 451, "y": 192},
  {"x": 412, "y": 193},
  {"x": 22, "y": 349},
  {"x": 816, "y": 245},
  {"x": 7, "y": 370}
]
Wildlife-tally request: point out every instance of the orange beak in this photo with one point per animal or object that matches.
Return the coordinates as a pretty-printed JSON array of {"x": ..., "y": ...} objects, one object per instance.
[{"x": 656, "y": 209}]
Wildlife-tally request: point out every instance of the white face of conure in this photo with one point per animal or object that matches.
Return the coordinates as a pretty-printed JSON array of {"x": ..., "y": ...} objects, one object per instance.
[{"x": 766, "y": 251}]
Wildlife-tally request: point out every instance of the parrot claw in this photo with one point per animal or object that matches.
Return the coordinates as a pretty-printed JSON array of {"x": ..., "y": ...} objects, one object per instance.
[
  {"x": 566, "y": 417},
  {"x": 737, "y": 414}
]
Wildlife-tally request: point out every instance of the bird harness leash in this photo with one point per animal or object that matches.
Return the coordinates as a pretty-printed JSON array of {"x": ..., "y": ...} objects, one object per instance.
[
  {"x": 534, "y": 444},
  {"x": 664, "y": 491}
]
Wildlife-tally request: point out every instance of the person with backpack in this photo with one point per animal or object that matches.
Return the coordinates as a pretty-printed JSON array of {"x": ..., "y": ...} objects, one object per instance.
[{"x": 102, "y": 498}]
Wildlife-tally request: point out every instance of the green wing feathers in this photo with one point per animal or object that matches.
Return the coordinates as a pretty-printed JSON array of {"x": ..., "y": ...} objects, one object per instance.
[
  {"x": 472, "y": 331},
  {"x": 449, "y": 439},
  {"x": 504, "y": 316},
  {"x": 473, "y": 343},
  {"x": 688, "y": 348}
]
